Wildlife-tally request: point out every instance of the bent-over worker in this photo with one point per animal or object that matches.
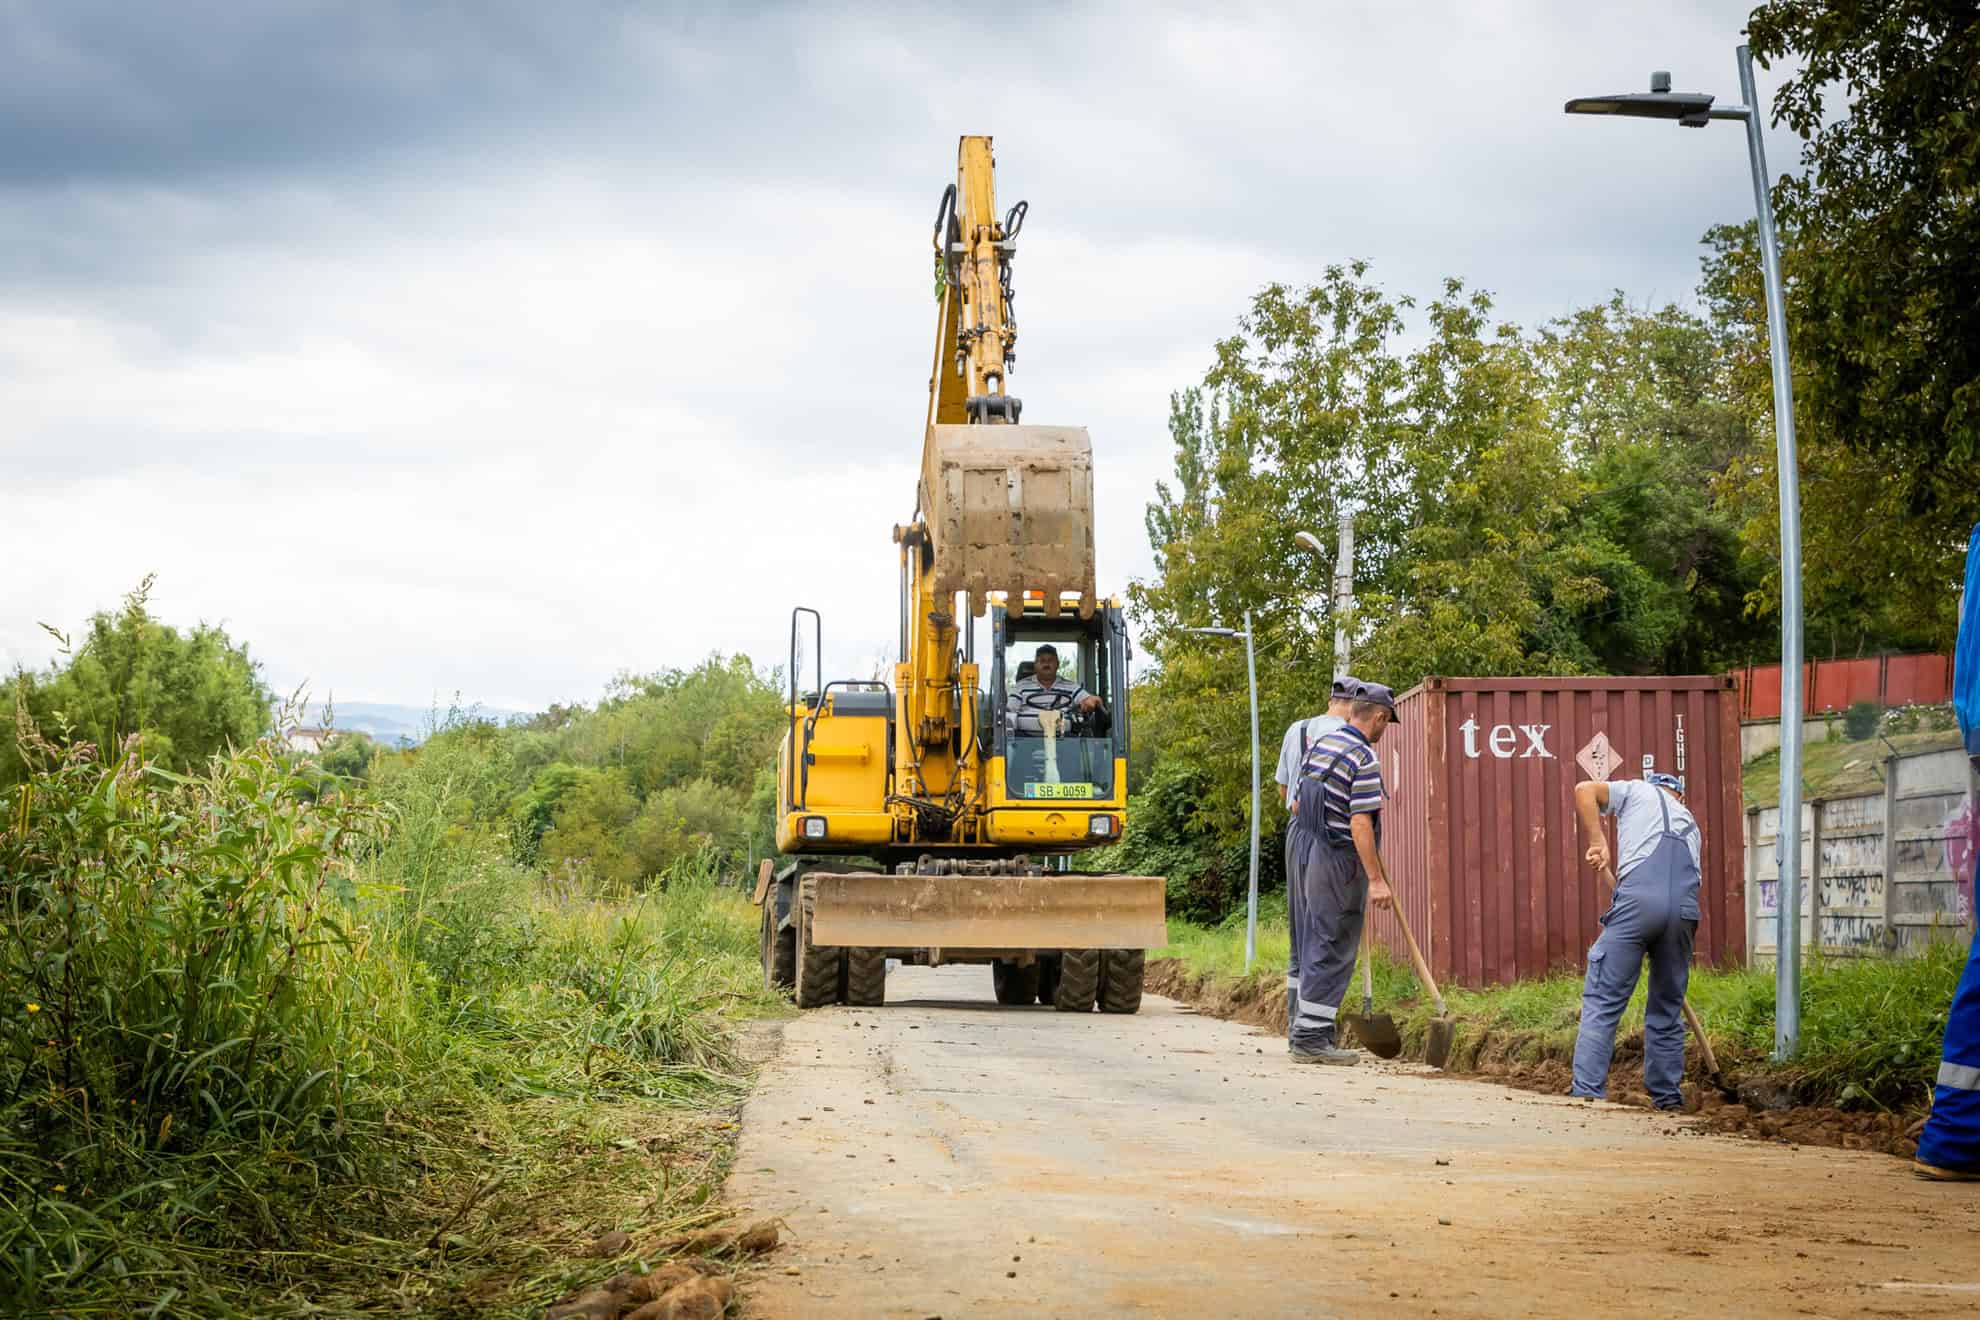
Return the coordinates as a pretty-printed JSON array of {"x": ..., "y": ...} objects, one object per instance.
[
  {"x": 1043, "y": 690},
  {"x": 1300, "y": 736},
  {"x": 1654, "y": 912},
  {"x": 1339, "y": 804}
]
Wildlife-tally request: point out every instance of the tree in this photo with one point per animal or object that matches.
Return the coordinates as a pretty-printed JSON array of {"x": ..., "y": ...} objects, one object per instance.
[
  {"x": 187, "y": 695},
  {"x": 348, "y": 756},
  {"x": 1877, "y": 573},
  {"x": 1883, "y": 262}
]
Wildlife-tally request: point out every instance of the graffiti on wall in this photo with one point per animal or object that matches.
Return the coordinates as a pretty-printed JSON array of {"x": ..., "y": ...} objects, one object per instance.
[{"x": 1962, "y": 829}]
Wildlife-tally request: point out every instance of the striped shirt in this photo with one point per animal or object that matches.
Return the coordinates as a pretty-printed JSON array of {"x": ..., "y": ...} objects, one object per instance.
[{"x": 1341, "y": 778}]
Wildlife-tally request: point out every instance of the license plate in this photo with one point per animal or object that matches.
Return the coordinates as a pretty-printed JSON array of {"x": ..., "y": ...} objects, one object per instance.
[{"x": 1060, "y": 791}]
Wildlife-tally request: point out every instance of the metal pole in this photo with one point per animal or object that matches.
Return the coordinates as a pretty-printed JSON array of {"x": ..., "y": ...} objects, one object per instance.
[
  {"x": 1787, "y": 945},
  {"x": 1251, "y": 897},
  {"x": 1343, "y": 591}
]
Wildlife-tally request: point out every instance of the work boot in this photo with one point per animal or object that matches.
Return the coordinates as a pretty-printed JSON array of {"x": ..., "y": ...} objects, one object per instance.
[
  {"x": 1323, "y": 1050},
  {"x": 1933, "y": 1173}
]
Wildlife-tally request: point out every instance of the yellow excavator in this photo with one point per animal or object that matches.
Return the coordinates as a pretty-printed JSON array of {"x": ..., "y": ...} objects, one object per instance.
[{"x": 929, "y": 822}]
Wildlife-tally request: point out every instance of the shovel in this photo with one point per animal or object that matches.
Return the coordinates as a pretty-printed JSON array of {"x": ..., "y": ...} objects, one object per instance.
[
  {"x": 1443, "y": 1031},
  {"x": 1376, "y": 1031},
  {"x": 1712, "y": 1073}
]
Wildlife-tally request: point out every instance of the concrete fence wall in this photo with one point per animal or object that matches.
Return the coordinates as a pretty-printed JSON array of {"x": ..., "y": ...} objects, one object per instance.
[{"x": 1880, "y": 873}]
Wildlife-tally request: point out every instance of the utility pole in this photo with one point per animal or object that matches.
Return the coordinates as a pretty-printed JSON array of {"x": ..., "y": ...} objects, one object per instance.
[{"x": 1343, "y": 591}]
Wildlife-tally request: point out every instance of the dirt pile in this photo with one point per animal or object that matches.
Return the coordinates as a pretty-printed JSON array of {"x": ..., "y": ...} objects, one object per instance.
[
  {"x": 1534, "y": 1061},
  {"x": 682, "y": 1289}
]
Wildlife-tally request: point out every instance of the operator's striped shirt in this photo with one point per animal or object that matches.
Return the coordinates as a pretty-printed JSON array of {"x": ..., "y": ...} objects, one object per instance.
[{"x": 1341, "y": 778}]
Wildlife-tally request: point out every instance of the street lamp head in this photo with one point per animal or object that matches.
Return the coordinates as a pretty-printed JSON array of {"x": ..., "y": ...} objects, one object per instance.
[
  {"x": 1213, "y": 632},
  {"x": 1691, "y": 109},
  {"x": 1309, "y": 541}
]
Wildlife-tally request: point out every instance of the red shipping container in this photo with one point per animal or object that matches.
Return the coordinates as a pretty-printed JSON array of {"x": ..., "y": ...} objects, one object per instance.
[{"x": 1479, "y": 835}]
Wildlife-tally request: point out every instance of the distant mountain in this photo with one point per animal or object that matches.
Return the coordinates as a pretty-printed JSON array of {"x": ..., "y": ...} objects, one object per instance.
[{"x": 395, "y": 726}]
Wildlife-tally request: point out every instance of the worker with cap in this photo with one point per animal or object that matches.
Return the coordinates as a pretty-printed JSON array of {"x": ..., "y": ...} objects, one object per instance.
[
  {"x": 1654, "y": 911},
  {"x": 1338, "y": 802},
  {"x": 1300, "y": 736}
]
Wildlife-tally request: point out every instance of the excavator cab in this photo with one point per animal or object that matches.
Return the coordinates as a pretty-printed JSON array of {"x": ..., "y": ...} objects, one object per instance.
[{"x": 1052, "y": 746}]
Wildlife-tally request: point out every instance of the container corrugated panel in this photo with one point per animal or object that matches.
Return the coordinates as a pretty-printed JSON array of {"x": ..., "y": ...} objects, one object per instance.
[{"x": 1479, "y": 832}]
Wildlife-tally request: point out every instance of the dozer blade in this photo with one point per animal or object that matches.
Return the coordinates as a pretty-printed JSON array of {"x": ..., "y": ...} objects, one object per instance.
[
  {"x": 1010, "y": 508},
  {"x": 1063, "y": 911}
]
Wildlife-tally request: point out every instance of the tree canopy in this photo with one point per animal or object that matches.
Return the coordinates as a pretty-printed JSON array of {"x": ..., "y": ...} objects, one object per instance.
[{"x": 187, "y": 694}]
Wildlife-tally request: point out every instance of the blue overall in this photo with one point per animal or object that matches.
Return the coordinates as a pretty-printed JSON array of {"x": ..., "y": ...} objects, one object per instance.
[
  {"x": 1655, "y": 912},
  {"x": 1328, "y": 905},
  {"x": 1951, "y": 1139}
]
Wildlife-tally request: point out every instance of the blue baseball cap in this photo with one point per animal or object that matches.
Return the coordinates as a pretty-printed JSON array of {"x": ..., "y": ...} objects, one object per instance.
[
  {"x": 1662, "y": 780},
  {"x": 1344, "y": 686}
]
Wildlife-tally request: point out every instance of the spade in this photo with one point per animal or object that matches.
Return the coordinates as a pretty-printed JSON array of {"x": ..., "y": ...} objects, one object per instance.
[{"x": 1376, "y": 1031}]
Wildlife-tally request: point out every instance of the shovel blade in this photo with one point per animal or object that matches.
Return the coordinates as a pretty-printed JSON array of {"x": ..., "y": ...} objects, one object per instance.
[
  {"x": 1377, "y": 1033},
  {"x": 1437, "y": 1048}
]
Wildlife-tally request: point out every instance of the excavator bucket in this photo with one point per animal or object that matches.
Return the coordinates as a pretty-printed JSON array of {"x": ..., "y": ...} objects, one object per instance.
[
  {"x": 1060, "y": 911},
  {"x": 1010, "y": 508}
]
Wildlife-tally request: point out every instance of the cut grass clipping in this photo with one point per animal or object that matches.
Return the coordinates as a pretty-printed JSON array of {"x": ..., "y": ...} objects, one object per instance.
[{"x": 271, "y": 1049}]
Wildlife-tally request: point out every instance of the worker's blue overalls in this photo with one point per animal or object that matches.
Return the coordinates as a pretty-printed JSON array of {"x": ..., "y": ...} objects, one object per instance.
[
  {"x": 1655, "y": 912},
  {"x": 1329, "y": 902},
  {"x": 1951, "y": 1139}
]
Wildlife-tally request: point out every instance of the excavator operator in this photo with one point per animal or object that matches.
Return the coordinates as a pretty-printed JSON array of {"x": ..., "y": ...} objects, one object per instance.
[{"x": 1043, "y": 690}]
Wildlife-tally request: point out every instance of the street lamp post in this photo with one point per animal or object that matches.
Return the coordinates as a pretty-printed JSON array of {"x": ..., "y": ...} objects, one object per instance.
[
  {"x": 1694, "y": 110},
  {"x": 1251, "y": 680}
]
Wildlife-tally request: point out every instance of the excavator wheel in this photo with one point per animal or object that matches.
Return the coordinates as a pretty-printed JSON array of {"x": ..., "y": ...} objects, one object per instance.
[
  {"x": 777, "y": 949},
  {"x": 866, "y": 977},
  {"x": 820, "y": 968},
  {"x": 1048, "y": 979},
  {"x": 1079, "y": 980},
  {"x": 1121, "y": 973},
  {"x": 1014, "y": 984}
]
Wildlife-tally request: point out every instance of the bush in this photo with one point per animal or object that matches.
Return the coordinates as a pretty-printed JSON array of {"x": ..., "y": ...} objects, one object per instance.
[
  {"x": 177, "y": 988},
  {"x": 243, "y": 1028},
  {"x": 1860, "y": 720}
]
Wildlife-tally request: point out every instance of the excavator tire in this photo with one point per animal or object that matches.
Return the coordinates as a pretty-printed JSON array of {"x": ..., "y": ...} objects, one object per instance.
[
  {"x": 1079, "y": 980},
  {"x": 1014, "y": 984},
  {"x": 777, "y": 949},
  {"x": 866, "y": 977},
  {"x": 820, "y": 968},
  {"x": 1121, "y": 973},
  {"x": 1048, "y": 979}
]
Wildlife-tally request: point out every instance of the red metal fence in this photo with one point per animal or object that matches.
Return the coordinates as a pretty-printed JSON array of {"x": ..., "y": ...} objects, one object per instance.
[
  {"x": 1922, "y": 679},
  {"x": 1479, "y": 833}
]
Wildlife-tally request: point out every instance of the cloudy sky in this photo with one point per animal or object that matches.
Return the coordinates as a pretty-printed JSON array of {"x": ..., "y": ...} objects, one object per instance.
[{"x": 499, "y": 347}]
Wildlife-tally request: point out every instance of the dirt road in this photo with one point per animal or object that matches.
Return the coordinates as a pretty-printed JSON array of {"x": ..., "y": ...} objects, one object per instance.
[{"x": 946, "y": 1157}]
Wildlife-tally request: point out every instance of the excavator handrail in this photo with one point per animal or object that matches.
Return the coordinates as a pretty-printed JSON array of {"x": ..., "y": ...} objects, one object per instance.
[{"x": 818, "y": 663}]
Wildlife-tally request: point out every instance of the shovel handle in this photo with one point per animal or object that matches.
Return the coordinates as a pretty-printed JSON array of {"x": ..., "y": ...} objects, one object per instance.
[
  {"x": 1704, "y": 1041},
  {"x": 1690, "y": 1013},
  {"x": 1416, "y": 957},
  {"x": 1367, "y": 968}
]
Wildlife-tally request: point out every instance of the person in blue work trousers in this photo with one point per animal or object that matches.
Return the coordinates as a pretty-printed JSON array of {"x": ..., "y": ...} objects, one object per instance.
[
  {"x": 1301, "y": 734},
  {"x": 1949, "y": 1147},
  {"x": 1655, "y": 912},
  {"x": 1338, "y": 803}
]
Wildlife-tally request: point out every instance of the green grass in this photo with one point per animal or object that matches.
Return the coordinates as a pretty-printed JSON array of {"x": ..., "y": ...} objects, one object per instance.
[
  {"x": 265, "y": 1051},
  {"x": 1870, "y": 1028},
  {"x": 1838, "y": 769}
]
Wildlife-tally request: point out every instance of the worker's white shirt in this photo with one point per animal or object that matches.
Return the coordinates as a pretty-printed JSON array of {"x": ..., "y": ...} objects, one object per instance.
[
  {"x": 1639, "y": 823},
  {"x": 1290, "y": 755},
  {"x": 1028, "y": 699}
]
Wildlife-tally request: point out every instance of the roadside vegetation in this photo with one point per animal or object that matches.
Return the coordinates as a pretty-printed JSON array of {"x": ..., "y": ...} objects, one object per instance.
[
  {"x": 276, "y": 1041},
  {"x": 1870, "y": 1027}
]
